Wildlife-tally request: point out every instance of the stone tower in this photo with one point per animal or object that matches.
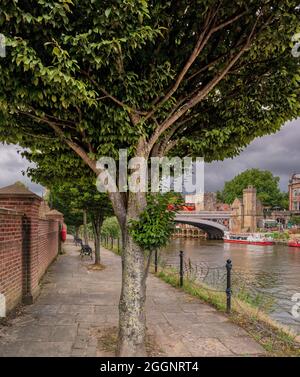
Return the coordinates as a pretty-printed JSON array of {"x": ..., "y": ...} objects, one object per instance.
[{"x": 250, "y": 214}]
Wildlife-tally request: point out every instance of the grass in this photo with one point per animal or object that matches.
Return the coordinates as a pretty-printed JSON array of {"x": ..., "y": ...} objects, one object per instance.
[
  {"x": 114, "y": 249},
  {"x": 213, "y": 298},
  {"x": 255, "y": 301},
  {"x": 275, "y": 341}
]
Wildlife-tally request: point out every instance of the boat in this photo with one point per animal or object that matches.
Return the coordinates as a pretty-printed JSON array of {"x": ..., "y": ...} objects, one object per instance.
[
  {"x": 294, "y": 243},
  {"x": 260, "y": 239}
]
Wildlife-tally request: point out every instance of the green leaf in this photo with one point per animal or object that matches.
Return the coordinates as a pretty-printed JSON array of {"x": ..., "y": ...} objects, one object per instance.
[
  {"x": 107, "y": 12},
  {"x": 56, "y": 51}
]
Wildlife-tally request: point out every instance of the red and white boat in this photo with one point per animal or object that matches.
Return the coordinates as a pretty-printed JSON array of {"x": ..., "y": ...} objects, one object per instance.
[
  {"x": 294, "y": 243},
  {"x": 261, "y": 239}
]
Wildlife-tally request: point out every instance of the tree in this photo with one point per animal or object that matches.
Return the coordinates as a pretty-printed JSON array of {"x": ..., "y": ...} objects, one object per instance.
[
  {"x": 111, "y": 228},
  {"x": 267, "y": 187},
  {"x": 73, "y": 191},
  {"x": 72, "y": 217},
  {"x": 83, "y": 79},
  {"x": 94, "y": 206},
  {"x": 285, "y": 201}
]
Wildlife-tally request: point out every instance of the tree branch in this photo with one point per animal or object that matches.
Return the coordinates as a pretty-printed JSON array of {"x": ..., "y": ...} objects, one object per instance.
[
  {"x": 75, "y": 147},
  {"x": 200, "y": 44},
  {"x": 201, "y": 93},
  {"x": 114, "y": 99},
  {"x": 115, "y": 197}
]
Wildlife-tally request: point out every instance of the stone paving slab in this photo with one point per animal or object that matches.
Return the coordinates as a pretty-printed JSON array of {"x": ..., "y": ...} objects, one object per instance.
[{"x": 74, "y": 302}]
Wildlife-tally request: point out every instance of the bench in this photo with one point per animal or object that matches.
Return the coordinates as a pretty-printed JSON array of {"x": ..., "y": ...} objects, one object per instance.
[
  {"x": 77, "y": 241},
  {"x": 86, "y": 250}
]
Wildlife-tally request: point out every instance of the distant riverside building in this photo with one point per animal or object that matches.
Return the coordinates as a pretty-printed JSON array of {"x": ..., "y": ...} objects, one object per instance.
[
  {"x": 294, "y": 192},
  {"x": 188, "y": 231},
  {"x": 203, "y": 202},
  {"x": 246, "y": 212}
]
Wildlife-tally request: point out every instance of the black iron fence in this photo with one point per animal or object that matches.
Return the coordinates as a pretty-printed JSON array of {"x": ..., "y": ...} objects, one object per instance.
[{"x": 213, "y": 278}]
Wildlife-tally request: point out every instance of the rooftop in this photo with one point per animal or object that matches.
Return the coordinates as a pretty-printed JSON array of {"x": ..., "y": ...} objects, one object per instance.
[{"x": 18, "y": 189}]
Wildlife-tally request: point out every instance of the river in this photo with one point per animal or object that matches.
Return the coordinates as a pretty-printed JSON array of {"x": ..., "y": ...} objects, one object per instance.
[{"x": 274, "y": 268}]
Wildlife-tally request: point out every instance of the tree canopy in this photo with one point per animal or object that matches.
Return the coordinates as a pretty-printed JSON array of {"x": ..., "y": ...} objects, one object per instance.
[
  {"x": 84, "y": 78},
  {"x": 111, "y": 228},
  {"x": 77, "y": 197},
  {"x": 72, "y": 216},
  {"x": 72, "y": 190},
  {"x": 102, "y": 74},
  {"x": 266, "y": 184}
]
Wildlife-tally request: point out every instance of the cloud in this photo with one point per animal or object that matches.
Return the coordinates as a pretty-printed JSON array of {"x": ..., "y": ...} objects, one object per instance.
[
  {"x": 279, "y": 153},
  {"x": 11, "y": 166}
]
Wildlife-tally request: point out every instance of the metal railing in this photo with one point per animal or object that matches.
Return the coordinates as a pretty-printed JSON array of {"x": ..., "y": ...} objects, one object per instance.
[{"x": 214, "y": 278}]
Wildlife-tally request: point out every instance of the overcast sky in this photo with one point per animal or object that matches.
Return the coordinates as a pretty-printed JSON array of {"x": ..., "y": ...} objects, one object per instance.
[{"x": 279, "y": 153}]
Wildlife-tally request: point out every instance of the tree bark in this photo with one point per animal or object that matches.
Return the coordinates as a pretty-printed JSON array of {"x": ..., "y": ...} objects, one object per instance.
[
  {"x": 132, "y": 315},
  {"x": 85, "y": 231},
  {"x": 97, "y": 249},
  {"x": 97, "y": 221}
]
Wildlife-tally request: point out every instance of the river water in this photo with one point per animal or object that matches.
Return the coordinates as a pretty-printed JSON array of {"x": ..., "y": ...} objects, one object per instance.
[{"x": 276, "y": 269}]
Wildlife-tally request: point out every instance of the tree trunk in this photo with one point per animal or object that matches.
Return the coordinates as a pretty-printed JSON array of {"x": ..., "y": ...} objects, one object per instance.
[
  {"x": 97, "y": 249},
  {"x": 77, "y": 231},
  {"x": 132, "y": 316},
  {"x": 85, "y": 231},
  {"x": 97, "y": 221}
]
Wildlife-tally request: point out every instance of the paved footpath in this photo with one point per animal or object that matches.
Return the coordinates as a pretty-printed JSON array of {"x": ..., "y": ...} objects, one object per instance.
[{"x": 75, "y": 303}]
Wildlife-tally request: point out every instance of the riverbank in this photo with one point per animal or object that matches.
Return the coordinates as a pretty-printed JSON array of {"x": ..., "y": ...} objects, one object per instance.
[
  {"x": 76, "y": 314},
  {"x": 275, "y": 338},
  {"x": 270, "y": 271}
]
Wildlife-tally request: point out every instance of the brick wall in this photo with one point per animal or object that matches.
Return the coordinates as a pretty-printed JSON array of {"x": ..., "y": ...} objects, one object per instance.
[
  {"x": 28, "y": 245},
  {"x": 48, "y": 244},
  {"x": 11, "y": 274}
]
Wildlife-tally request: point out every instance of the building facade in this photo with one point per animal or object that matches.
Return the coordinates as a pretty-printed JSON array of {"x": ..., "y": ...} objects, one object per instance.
[
  {"x": 294, "y": 193},
  {"x": 203, "y": 202}
]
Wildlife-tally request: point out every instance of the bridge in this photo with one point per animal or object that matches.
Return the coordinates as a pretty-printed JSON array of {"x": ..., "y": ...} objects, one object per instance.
[{"x": 214, "y": 223}]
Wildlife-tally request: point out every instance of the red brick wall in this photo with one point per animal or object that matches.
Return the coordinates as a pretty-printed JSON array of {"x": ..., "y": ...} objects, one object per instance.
[
  {"x": 48, "y": 244},
  {"x": 28, "y": 245},
  {"x": 11, "y": 274}
]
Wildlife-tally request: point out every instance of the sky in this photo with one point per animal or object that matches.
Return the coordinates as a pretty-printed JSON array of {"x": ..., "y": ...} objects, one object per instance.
[{"x": 279, "y": 153}]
